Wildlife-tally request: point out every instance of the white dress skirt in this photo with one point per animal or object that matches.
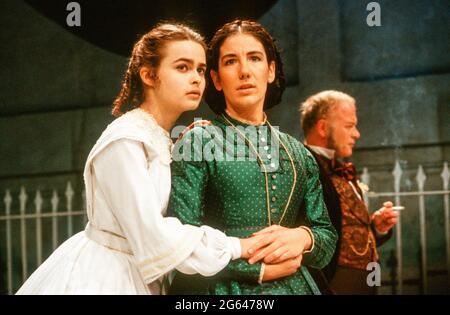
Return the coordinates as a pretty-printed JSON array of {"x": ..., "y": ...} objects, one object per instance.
[{"x": 128, "y": 246}]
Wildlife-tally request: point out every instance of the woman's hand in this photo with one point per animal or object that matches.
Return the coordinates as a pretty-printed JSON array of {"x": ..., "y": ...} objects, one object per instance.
[
  {"x": 279, "y": 244},
  {"x": 247, "y": 243},
  {"x": 283, "y": 269}
]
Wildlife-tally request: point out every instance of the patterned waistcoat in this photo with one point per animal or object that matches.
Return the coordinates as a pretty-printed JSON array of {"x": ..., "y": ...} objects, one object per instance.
[{"x": 357, "y": 242}]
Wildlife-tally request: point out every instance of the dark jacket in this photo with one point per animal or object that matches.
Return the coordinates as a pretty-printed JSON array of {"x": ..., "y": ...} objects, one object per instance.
[{"x": 331, "y": 198}]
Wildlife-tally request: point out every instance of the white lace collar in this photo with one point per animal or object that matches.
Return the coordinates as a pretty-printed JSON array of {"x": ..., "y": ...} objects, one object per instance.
[{"x": 145, "y": 120}]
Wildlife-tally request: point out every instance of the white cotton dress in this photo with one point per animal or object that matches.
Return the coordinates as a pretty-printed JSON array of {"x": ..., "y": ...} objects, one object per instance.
[{"x": 128, "y": 246}]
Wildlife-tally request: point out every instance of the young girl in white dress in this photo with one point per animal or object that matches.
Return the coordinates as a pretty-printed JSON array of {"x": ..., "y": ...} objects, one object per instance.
[{"x": 128, "y": 246}]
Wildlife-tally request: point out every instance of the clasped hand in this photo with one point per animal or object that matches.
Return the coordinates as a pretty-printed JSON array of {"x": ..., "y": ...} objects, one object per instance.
[{"x": 279, "y": 247}]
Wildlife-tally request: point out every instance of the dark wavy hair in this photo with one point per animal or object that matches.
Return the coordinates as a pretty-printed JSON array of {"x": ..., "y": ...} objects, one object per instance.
[
  {"x": 216, "y": 99},
  {"x": 148, "y": 51}
]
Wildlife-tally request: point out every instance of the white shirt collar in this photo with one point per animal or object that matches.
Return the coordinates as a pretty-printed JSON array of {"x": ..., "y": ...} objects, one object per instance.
[{"x": 325, "y": 152}]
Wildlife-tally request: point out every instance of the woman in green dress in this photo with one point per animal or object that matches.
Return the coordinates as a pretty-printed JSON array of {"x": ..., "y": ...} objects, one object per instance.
[{"x": 241, "y": 175}]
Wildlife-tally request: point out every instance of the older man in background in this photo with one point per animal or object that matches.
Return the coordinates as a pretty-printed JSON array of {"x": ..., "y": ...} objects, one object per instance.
[{"x": 329, "y": 122}]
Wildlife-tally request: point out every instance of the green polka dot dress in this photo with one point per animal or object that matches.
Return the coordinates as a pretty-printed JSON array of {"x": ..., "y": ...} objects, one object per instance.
[{"x": 218, "y": 181}]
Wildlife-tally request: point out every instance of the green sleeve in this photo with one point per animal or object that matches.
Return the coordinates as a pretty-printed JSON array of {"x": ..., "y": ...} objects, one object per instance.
[
  {"x": 317, "y": 219},
  {"x": 240, "y": 270},
  {"x": 190, "y": 178}
]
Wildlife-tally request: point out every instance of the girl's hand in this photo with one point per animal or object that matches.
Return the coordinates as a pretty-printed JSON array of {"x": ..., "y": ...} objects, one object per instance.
[{"x": 279, "y": 244}]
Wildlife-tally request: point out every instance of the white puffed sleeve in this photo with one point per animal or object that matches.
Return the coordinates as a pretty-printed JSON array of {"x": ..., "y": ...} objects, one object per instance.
[
  {"x": 130, "y": 185},
  {"x": 212, "y": 253}
]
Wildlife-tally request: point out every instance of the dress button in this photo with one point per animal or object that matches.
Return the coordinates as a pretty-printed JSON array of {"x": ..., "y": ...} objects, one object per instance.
[
  {"x": 274, "y": 176},
  {"x": 274, "y": 187},
  {"x": 274, "y": 199},
  {"x": 273, "y": 210},
  {"x": 266, "y": 148},
  {"x": 263, "y": 139},
  {"x": 272, "y": 165},
  {"x": 269, "y": 156}
]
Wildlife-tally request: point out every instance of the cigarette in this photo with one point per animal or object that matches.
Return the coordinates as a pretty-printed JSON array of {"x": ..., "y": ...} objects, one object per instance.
[{"x": 398, "y": 208}]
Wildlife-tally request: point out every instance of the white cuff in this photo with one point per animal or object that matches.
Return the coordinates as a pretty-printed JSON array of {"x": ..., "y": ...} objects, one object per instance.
[
  {"x": 261, "y": 273},
  {"x": 378, "y": 233},
  {"x": 312, "y": 238},
  {"x": 235, "y": 247}
]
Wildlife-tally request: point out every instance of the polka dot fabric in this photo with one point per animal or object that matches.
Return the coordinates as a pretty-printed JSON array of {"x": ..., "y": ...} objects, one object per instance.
[{"x": 230, "y": 195}]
